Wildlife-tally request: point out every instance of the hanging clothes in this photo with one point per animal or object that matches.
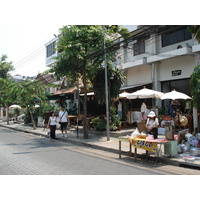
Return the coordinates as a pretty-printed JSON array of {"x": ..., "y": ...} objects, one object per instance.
[
  {"x": 119, "y": 110},
  {"x": 143, "y": 110}
]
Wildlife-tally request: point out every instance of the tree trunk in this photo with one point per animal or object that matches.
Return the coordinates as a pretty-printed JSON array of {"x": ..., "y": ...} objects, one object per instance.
[
  {"x": 85, "y": 130},
  {"x": 34, "y": 125},
  {"x": 7, "y": 117},
  {"x": 198, "y": 130}
]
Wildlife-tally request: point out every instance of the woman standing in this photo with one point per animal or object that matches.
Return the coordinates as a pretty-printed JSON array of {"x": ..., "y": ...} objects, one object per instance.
[
  {"x": 52, "y": 125},
  {"x": 152, "y": 124}
]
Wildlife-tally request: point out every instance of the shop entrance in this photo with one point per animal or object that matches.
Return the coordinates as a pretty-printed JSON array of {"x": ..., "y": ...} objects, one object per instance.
[{"x": 183, "y": 86}]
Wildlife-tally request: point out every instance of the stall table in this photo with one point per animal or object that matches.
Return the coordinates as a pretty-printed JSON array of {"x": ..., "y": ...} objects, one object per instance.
[
  {"x": 72, "y": 119},
  {"x": 154, "y": 146}
]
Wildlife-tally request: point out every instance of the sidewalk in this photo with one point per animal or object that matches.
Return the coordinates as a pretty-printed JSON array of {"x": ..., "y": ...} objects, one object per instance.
[{"x": 98, "y": 140}]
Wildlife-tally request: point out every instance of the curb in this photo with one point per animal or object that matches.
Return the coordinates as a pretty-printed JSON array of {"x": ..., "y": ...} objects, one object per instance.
[{"x": 79, "y": 143}]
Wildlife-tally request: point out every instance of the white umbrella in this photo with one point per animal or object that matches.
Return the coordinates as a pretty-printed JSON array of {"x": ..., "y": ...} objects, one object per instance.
[
  {"x": 124, "y": 94},
  {"x": 145, "y": 94},
  {"x": 15, "y": 106},
  {"x": 175, "y": 95}
]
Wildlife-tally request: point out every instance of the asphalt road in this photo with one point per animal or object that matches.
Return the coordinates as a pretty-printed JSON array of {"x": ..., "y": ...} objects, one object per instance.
[{"x": 27, "y": 154}]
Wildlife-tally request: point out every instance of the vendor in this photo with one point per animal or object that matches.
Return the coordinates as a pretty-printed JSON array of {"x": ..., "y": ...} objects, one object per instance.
[{"x": 152, "y": 124}]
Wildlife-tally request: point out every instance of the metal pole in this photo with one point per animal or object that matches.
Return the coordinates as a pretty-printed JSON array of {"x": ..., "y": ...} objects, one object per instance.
[{"x": 106, "y": 91}]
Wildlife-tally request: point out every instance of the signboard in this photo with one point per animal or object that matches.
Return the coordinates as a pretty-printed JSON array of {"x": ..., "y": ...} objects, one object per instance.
[
  {"x": 143, "y": 144},
  {"x": 176, "y": 72}
]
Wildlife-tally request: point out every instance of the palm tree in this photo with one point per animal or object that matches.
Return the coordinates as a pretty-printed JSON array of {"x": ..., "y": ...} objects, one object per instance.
[
  {"x": 195, "y": 30},
  {"x": 5, "y": 66}
]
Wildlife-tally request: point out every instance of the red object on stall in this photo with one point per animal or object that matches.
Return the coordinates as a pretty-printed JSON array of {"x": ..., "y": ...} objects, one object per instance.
[
  {"x": 175, "y": 137},
  {"x": 199, "y": 144}
]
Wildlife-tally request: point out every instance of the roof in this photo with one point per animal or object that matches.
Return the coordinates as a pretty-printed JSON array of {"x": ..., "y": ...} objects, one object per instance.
[
  {"x": 64, "y": 91},
  {"x": 45, "y": 78}
]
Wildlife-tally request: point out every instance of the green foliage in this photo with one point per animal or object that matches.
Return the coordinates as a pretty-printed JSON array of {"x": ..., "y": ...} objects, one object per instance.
[
  {"x": 195, "y": 86},
  {"x": 17, "y": 111},
  {"x": 27, "y": 94},
  {"x": 115, "y": 121},
  {"x": 6, "y": 97},
  {"x": 195, "y": 30},
  {"x": 75, "y": 43},
  {"x": 47, "y": 108},
  {"x": 115, "y": 80},
  {"x": 10, "y": 114},
  {"x": 5, "y": 66},
  {"x": 99, "y": 124},
  {"x": 81, "y": 52}
]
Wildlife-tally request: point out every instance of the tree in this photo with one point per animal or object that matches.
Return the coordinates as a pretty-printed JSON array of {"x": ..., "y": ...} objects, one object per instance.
[
  {"x": 195, "y": 76},
  {"x": 5, "y": 82},
  {"x": 195, "y": 30},
  {"x": 77, "y": 46},
  {"x": 195, "y": 89},
  {"x": 195, "y": 86},
  {"x": 6, "y": 99},
  {"x": 5, "y": 66},
  {"x": 115, "y": 80},
  {"x": 28, "y": 94}
]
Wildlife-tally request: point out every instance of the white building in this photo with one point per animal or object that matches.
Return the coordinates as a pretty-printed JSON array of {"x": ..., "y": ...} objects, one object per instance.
[
  {"x": 51, "y": 51},
  {"x": 162, "y": 57}
]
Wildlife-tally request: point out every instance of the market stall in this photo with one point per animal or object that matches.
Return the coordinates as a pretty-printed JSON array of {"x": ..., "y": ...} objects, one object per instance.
[
  {"x": 149, "y": 145},
  {"x": 187, "y": 143},
  {"x": 145, "y": 142},
  {"x": 140, "y": 115}
]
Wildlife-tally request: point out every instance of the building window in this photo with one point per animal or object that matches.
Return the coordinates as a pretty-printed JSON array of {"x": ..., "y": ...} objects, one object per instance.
[
  {"x": 139, "y": 48},
  {"x": 175, "y": 37},
  {"x": 51, "y": 49}
]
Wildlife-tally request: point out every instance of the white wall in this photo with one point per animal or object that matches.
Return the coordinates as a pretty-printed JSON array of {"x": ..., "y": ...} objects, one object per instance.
[
  {"x": 184, "y": 63},
  {"x": 139, "y": 75}
]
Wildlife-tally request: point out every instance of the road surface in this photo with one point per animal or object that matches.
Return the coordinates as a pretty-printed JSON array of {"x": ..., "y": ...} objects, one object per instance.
[{"x": 27, "y": 154}]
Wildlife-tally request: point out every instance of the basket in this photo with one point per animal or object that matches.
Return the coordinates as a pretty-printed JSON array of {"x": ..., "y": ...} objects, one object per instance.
[
  {"x": 141, "y": 126},
  {"x": 142, "y": 136}
]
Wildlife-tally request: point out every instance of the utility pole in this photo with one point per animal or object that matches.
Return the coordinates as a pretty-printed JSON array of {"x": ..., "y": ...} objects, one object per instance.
[{"x": 106, "y": 91}]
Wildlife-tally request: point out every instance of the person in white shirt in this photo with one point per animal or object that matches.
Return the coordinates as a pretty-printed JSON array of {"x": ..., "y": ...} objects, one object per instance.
[
  {"x": 63, "y": 115},
  {"x": 52, "y": 125},
  {"x": 152, "y": 124}
]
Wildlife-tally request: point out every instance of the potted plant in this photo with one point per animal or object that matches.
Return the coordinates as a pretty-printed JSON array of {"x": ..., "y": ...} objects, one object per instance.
[
  {"x": 99, "y": 124},
  {"x": 115, "y": 122}
]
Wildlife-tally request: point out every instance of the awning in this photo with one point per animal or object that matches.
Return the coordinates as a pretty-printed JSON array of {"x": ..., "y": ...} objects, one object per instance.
[
  {"x": 64, "y": 91},
  {"x": 88, "y": 94},
  {"x": 51, "y": 98},
  {"x": 134, "y": 86}
]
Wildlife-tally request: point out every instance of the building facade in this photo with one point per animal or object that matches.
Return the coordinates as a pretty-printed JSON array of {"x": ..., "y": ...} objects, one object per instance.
[{"x": 162, "y": 57}]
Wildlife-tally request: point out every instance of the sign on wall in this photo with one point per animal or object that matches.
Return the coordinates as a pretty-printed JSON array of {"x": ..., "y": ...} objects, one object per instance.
[{"x": 176, "y": 72}]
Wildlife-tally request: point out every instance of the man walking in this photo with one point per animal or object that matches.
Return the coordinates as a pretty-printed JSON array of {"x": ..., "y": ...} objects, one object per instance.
[{"x": 63, "y": 115}]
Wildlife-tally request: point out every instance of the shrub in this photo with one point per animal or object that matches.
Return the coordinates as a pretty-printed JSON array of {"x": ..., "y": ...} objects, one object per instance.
[{"x": 99, "y": 124}]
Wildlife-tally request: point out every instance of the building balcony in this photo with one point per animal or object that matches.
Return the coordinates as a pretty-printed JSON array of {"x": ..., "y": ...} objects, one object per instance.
[
  {"x": 196, "y": 48},
  {"x": 135, "y": 63},
  {"x": 170, "y": 54}
]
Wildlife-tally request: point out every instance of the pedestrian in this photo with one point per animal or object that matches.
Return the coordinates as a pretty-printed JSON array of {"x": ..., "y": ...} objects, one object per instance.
[
  {"x": 52, "y": 125},
  {"x": 152, "y": 124},
  {"x": 63, "y": 115}
]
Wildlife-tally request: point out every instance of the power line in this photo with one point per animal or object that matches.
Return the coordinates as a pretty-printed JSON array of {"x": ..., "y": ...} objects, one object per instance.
[
  {"x": 144, "y": 33},
  {"x": 36, "y": 55}
]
